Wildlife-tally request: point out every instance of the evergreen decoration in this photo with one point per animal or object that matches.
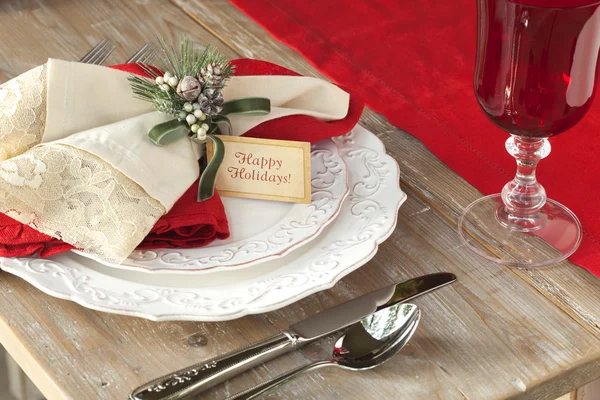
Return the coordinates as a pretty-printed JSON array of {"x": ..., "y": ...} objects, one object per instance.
[
  {"x": 190, "y": 90},
  {"x": 193, "y": 81}
]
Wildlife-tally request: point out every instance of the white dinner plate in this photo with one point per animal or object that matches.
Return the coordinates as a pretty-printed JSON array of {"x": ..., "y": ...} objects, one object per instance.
[
  {"x": 260, "y": 230},
  {"x": 367, "y": 218}
]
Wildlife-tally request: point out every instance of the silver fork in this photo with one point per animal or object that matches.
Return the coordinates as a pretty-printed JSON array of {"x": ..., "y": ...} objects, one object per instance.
[
  {"x": 145, "y": 55},
  {"x": 99, "y": 53}
]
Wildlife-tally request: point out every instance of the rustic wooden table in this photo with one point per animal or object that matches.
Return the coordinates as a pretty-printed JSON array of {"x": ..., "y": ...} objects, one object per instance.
[{"x": 496, "y": 333}]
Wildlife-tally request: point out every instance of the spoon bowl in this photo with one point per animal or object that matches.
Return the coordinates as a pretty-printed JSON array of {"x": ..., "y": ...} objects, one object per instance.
[
  {"x": 365, "y": 345},
  {"x": 376, "y": 338}
]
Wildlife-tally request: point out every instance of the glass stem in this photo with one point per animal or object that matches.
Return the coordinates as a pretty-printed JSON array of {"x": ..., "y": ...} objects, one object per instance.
[{"x": 523, "y": 197}]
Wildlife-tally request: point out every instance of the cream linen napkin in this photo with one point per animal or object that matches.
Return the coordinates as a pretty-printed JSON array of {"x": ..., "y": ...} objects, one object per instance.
[
  {"x": 59, "y": 98},
  {"x": 22, "y": 112},
  {"x": 96, "y": 181}
]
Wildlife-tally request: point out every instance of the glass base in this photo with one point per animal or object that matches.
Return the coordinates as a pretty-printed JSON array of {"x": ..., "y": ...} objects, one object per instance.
[{"x": 545, "y": 239}]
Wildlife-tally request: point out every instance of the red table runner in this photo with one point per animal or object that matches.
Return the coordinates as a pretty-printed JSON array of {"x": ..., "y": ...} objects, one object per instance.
[{"x": 413, "y": 62}]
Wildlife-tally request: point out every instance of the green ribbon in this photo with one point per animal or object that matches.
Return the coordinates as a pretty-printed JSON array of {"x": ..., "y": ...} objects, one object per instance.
[
  {"x": 248, "y": 106},
  {"x": 206, "y": 186},
  {"x": 219, "y": 120},
  {"x": 251, "y": 106},
  {"x": 174, "y": 130},
  {"x": 168, "y": 132}
]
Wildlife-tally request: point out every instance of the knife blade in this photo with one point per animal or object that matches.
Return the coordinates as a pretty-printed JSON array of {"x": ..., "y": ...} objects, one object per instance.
[
  {"x": 354, "y": 310},
  {"x": 204, "y": 375}
]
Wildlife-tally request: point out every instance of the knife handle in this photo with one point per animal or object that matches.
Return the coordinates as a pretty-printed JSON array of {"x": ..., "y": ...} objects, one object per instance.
[{"x": 206, "y": 374}]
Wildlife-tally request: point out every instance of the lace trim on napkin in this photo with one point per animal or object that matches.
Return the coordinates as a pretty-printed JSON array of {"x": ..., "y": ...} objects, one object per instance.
[
  {"x": 22, "y": 112},
  {"x": 77, "y": 197}
]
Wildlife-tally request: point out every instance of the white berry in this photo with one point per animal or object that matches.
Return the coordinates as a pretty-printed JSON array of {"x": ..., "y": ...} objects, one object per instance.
[
  {"x": 204, "y": 126},
  {"x": 198, "y": 113},
  {"x": 203, "y": 117},
  {"x": 195, "y": 128},
  {"x": 188, "y": 107},
  {"x": 182, "y": 115},
  {"x": 160, "y": 80},
  {"x": 173, "y": 81},
  {"x": 190, "y": 119},
  {"x": 167, "y": 76},
  {"x": 165, "y": 87},
  {"x": 196, "y": 106},
  {"x": 201, "y": 134}
]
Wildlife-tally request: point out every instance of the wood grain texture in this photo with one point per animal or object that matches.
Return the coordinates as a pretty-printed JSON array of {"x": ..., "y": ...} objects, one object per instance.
[
  {"x": 590, "y": 391},
  {"x": 496, "y": 333},
  {"x": 8, "y": 390},
  {"x": 32, "y": 31}
]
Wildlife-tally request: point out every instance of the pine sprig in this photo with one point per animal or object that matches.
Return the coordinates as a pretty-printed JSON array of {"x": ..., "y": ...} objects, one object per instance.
[
  {"x": 152, "y": 72},
  {"x": 189, "y": 61},
  {"x": 170, "y": 58},
  {"x": 167, "y": 102},
  {"x": 208, "y": 67}
]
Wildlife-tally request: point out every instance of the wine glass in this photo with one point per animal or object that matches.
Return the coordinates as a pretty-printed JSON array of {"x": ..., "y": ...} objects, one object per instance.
[{"x": 534, "y": 78}]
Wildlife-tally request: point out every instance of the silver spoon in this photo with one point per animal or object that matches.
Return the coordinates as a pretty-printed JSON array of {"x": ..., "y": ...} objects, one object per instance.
[{"x": 366, "y": 344}]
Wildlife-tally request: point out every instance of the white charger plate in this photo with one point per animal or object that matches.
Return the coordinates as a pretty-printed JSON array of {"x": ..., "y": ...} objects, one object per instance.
[
  {"x": 367, "y": 218},
  {"x": 260, "y": 230}
]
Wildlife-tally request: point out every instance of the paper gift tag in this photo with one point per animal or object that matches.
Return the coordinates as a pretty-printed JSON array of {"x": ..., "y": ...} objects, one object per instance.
[{"x": 264, "y": 169}]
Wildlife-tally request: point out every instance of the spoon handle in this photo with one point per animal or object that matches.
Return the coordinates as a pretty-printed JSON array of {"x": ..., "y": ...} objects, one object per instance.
[{"x": 282, "y": 379}]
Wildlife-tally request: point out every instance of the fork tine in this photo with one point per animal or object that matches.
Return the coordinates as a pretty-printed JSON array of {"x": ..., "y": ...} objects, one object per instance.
[
  {"x": 137, "y": 54},
  {"x": 149, "y": 56},
  {"x": 93, "y": 51},
  {"x": 102, "y": 52},
  {"x": 107, "y": 53},
  {"x": 145, "y": 55}
]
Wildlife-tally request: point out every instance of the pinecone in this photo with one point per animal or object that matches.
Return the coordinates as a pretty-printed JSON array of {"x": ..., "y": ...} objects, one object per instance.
[
  {"x": 211, "y": 75},
  {"x": 211, "y": 101}
]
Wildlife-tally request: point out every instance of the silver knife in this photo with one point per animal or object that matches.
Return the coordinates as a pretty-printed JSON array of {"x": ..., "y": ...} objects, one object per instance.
[{"x": 209, "y": 373}]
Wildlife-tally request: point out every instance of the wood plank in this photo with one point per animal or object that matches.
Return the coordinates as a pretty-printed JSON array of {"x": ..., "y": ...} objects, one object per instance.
[
  {"x": 489, "y": 336},
  {"x": 590, "y": 391},
  {"x": 565, "y": 397},
  {"x": 8, "y": 389},
  {"x": 37, "y": 30},
  {"x": 19, "y": 384}
]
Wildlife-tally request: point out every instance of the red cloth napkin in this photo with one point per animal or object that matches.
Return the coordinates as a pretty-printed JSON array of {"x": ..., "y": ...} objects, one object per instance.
[
  {"x": 18, "y": 240},
  {"x": 413, "y": 62},
  {"x": 189, "y": 223},
  {"x": 298, "y": 127}
]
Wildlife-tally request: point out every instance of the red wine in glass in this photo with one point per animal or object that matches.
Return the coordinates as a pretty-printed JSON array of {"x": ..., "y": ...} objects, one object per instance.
[
  {"x": 534, "y": 78},
  {"x": 530, "y": 79}
]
